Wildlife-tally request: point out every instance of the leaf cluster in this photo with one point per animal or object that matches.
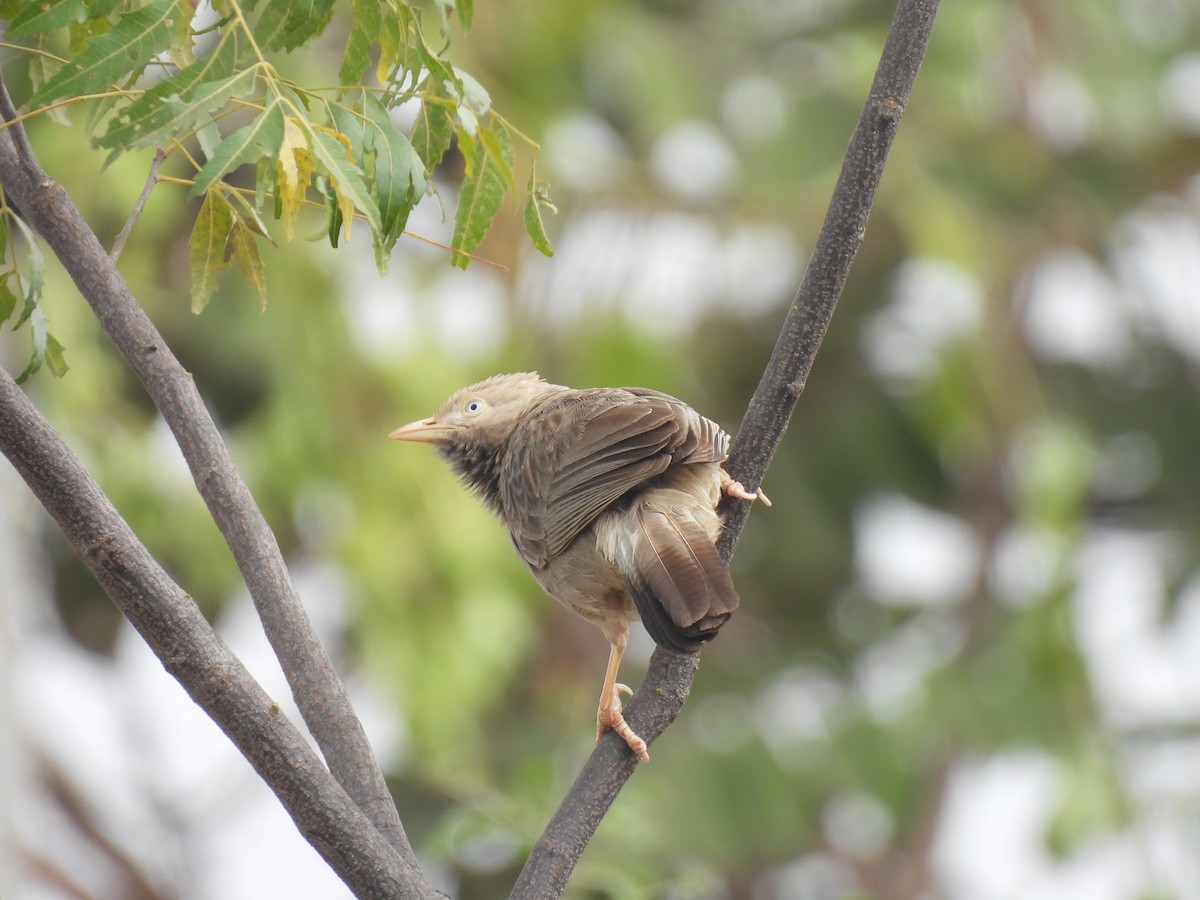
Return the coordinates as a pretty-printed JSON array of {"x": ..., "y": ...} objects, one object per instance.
[
  {"x": 159, "y": 78},
  {"x": 21, "y": 280}
]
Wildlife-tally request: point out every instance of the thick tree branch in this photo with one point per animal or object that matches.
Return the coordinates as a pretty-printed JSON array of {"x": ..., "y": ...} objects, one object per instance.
[
  {"x": 669, "y": 678},
  {"x": 191, "y": 651},
  {"x": 318, "y": 691}
]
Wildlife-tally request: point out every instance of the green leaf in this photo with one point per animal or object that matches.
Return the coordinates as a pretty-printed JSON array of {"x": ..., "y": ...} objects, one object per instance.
[
  {"x": 347, "y": 179},
  {"x": 41, "y": 69},
  {"x": 56, "y": 356},
  {"x": 8, "y": 297},
  {"x": 208, "y": 136},
  {"x": 399, "y": 173},
  {"x": 285, "y": 25},
  {"x": 353, "y": 126},
  {"x": 176, "y": 104},
  {"x": 262, "y": 137},
  {"x": 480, "y": 197},
  {"x": 464, "y": 8},
  {"x": 206, "y": 247},
  {"x": 431, "y": 60},
  {"x": 133, "y": 41},
  {"x": 249, "y": 261},
  {"x": 433, "y": 129},
  {"x": 333, "y": 218},
  {"x": 35, "y": 275},
  {"x": 498, "y": 147},
  {"x": 37, "y": 355},
  {"x": 365, "y": 29},
  {"x": 38, "y": 18},
  {"x": 538, "y": 200},
  {"x": 466, "y": 12}
]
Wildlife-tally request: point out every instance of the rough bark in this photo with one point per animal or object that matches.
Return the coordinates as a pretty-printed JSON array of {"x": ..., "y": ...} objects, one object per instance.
[
  {"x": 319, "y": 693},
  {"x": 189, "y": 648}
]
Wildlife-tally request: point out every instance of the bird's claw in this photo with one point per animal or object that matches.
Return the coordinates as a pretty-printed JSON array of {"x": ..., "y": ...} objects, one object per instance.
[
  {"x": 737, "y": 489},
  {"x": 611, "y": 717}
]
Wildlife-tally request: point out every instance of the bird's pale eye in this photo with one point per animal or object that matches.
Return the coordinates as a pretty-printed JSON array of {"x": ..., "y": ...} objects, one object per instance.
[{"x": 473, "y": 407}]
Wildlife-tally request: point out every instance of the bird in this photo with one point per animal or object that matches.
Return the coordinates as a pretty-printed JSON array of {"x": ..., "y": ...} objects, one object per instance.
[{"x": 609, "y": 496}]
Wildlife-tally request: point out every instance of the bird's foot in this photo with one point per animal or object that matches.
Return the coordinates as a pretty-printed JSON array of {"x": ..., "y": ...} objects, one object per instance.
[
  {"x": 610, "y": 717},
  {"x": 737, "y": 489}
]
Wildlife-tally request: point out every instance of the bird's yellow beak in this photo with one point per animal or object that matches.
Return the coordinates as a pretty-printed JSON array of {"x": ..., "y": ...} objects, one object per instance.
[{"x": 424, "y": 431}]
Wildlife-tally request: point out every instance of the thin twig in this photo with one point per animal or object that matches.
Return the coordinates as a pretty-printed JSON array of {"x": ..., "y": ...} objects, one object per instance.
[
  {"x": 669, "y": 678},
  {"x": 151, "y": 181}
]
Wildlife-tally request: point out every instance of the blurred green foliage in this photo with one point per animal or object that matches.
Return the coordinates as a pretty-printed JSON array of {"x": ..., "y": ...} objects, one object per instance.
[{"x": 1035, "y": 129}]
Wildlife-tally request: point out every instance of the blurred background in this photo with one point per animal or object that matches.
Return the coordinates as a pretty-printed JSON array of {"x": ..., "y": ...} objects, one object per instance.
[{"x": 967, "y": 663}]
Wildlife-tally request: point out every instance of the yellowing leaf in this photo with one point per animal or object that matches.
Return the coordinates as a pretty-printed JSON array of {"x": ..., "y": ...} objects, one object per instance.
[
  {"x": 249, "y": 262},
  {"x": 345, "y": 177},
  {"x": 295, "y": 170},
  {"x": 206, "y": 247}
]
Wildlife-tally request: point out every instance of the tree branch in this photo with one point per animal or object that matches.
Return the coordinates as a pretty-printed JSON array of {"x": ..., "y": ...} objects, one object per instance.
[
  {"x": 319, "y": 693},
  {"x": 135, "y": 214},
  {"x": 191, "y": 651},
  {"x": 669, "y": 678}
]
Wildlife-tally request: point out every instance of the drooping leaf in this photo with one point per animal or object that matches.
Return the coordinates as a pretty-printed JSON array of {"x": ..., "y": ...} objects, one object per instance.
[
  {"x": 56, "y": 360},
  {"x": 399, "y": 173},
  {"x": 431, "y": 60},
  {"x": 498, "y": 146},
  {"x": 249, "y": 261},
  {"x": 353, "y": 126},
  {"x": 206, "y": 247},
  {"x": 8, "y": 297},
  {"x": 474, "y": 102},
  {"x": 37, "y": 353},
  {"x": 262, "y": 137},
  {"x": 38, "y": 18},
  {"x": 346, "y": 179},
  {"x": 333, "y": 218},
  {"x": 285, "y": 24},
  {"x": 396, "y": 20},
  {"x": 294, "y": 171},
  {"x": 181, "y": 48},
  {"x": 133, "y": 41},
  {"x": 174, "y": 113},
  {"x": 537, "y": 202},
  {"x": 466, "y": 12},
  {"x": 481, "y": 195},
  {"x": 434, "y": 127},
  {"x": 465, "y": 9},
  {"x": 34, "y": 277},
  {"x": 364, "y": 31}
]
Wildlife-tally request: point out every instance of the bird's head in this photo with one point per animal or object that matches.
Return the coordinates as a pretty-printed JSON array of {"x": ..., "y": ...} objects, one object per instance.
[{"x": 471, "y": 428}]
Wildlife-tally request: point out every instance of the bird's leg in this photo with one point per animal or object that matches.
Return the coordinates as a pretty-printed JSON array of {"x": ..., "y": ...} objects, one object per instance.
[
  {"x": 737, "y": 489},
  {"x": 609, "y": 714}
]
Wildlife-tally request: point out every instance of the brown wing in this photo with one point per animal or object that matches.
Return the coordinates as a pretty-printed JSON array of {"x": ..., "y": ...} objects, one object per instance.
[{"x": 577, "y": 454}]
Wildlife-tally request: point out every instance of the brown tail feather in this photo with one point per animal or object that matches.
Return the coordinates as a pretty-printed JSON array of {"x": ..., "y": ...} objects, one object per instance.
[{"x": 678, "y": 582}]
